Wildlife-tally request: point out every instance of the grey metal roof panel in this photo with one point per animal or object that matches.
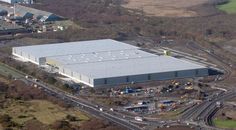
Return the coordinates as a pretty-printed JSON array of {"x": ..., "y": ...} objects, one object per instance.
[{"x": 22, "y": 10}]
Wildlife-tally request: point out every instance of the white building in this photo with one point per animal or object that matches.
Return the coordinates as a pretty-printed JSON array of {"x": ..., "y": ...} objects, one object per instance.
[
  {"x": 18, "y": 1},
  {"x": 108, "y": 62}
]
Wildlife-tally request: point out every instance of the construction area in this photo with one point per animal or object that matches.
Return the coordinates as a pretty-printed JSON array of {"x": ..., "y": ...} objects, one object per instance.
[
  {"x": 7, "y": 28},
  {"x": 108, "y": 62}
]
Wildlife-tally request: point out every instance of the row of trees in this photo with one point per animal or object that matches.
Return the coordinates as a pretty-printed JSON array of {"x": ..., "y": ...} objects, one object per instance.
[{"x": 108, "y": 19}]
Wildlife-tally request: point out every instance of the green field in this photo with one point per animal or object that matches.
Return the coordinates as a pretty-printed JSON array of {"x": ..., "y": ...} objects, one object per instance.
[
  {"x": 229, "y": 7},
  {"x": 225, "y": 123}
]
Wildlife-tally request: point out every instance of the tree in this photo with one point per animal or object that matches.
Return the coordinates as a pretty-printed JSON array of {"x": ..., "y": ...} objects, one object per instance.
[
  {"x": 9, "y": 76},
  {"x": 63, "y": 125},
  {"x": 5, "y": 118},
  {"x": 209, "y": 32},
  {"x": 71, "y": 118},
  {"x": 51, "y": 80},
  {"x": 35, "y": 125},
  {"x": 6, "y": 121}
]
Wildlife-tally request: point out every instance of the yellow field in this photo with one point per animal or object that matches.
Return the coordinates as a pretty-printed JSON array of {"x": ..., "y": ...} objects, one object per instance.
[{"x": 42, "y": 110}]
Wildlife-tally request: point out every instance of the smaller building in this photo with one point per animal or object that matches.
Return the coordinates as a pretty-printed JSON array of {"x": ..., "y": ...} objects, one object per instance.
[
  {"x": 24, "y": 12},
  {"x": 137, "y": 108},
  {"x": 18, "y": 1},
  {"x": 167, "y": 102}
]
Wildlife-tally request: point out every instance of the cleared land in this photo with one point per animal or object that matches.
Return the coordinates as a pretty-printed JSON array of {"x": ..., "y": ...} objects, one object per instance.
[
  {"x": 168, "y": 115},
  {"x": 229, "y": 7},
  {"x": 170, "y": 8}
]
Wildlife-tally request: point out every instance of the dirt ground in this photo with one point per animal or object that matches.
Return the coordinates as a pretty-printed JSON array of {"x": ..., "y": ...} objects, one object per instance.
[
  {"x": 176, "y": 128},
  {"x": 170, "y": 8},
  {"x": 230, "y": 46}
]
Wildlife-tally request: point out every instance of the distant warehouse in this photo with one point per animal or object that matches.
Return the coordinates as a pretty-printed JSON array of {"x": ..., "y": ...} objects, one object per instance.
[{"x": 108, "y": 62}]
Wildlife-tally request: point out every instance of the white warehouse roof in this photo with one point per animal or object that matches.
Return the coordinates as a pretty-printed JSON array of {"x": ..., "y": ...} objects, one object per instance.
[
  {"x": 139, "y": 66},
  {"x": 123, "y": 62},
  {"x": 103, "y": 59},
  {"x": 68, "y": 48}
]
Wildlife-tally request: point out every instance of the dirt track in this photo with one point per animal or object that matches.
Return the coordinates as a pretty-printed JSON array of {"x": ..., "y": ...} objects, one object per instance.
[
  {"x": 170, "y": 8},
  {"x": 176, "y": 128}
]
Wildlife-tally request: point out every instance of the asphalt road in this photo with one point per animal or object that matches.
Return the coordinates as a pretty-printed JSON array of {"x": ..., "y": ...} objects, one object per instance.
[{"x": 201, "y": 114}]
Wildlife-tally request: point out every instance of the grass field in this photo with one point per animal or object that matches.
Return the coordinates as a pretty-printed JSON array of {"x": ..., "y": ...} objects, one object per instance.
[
  {"x": 180, "y": 8},
  {"x": 42, "y": 110},
  {"x": 229, "y": 7},
  {"x": 6, "y": 71},
  {"x": 225, "y": 123}
]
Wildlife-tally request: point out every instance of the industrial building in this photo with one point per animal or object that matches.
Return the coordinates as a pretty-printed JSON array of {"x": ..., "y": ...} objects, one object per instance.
[
  {"x": 108, "y": 62},
  {"x": 18, "y": 1},
  {"x": 23, "y": 12}
]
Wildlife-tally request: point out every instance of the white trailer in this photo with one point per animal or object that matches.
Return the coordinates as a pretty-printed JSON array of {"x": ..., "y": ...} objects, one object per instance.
[{"x": 138, "y": 118}]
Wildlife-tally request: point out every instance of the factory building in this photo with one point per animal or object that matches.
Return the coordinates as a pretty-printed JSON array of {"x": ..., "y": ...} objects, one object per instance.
[
  {"x": 108, "y": 62},
  {"x": 18, "y": 1}
]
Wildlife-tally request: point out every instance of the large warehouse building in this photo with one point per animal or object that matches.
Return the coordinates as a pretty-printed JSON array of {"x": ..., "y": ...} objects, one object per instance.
[{"x": 108, "y": 62}]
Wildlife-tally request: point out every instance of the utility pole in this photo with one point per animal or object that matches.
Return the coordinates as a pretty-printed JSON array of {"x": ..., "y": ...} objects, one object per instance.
[{"x": 14, "y": 10}]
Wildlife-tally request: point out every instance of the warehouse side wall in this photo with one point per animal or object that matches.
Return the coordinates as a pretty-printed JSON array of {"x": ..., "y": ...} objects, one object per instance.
[
  {"x": 23, "y": 55},
  {"x": 151, "y": 77},
  {"x": 163, "y": 76},
  {"x": 202, "y": 72},
  {"x": 76, "y": 76}
]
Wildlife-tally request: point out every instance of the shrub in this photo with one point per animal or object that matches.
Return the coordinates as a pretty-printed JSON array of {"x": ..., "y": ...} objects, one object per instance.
[{"x": 71, "y": 118}]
